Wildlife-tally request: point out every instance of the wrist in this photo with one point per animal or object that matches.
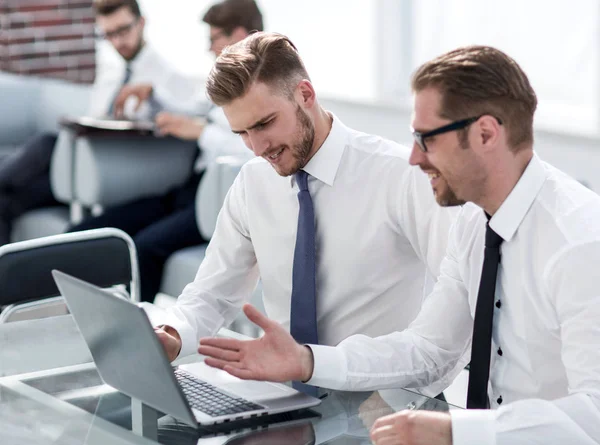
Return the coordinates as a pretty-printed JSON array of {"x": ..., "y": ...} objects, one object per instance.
[{"x": 307, "y": 363}]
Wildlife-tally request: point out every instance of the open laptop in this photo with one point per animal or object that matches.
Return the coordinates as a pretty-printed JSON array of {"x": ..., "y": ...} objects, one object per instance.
[{"x": 129, "y": 357}]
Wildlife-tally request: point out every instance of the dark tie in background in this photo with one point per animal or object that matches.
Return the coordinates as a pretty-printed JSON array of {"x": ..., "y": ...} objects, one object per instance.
[
  {"x": 303, "y": 316},
  {"x": 479, "y": 373},
  {"x": 123, "y": 83}
]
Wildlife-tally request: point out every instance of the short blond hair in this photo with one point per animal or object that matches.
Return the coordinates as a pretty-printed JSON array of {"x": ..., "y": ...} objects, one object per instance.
[{"x": 268, "y": 58}]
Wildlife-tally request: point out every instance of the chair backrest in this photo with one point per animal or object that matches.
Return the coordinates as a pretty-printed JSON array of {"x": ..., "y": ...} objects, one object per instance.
[
  {"x": 212, "y": 190},
  {"x": 104, "y": 257}
]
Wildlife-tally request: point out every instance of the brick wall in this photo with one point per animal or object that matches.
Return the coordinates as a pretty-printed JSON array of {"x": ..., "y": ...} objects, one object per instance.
[{"x": 52, "y": 38}]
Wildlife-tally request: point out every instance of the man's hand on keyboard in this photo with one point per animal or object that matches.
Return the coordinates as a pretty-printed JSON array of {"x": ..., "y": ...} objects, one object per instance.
[{"x": 274, "y": 357}]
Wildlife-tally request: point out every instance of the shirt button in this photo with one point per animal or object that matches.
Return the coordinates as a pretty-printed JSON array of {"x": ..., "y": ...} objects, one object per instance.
[
  {"x": 499, "y": 400},
  {"x": 498, "y": 304},
  {"x": 500, "y": 352}
]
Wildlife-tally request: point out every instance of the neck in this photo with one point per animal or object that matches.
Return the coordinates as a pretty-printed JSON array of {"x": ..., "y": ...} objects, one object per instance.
[
  {"x": 137, "y": 53},
  {"x": 502, "y": 178},
  {"x": 322, "y": 123}
]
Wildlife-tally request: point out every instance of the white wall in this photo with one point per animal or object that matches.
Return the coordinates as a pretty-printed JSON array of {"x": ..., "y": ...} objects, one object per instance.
[{"x": 576, "y": 155}]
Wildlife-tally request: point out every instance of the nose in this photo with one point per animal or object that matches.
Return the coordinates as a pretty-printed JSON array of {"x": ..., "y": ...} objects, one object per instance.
[
  {"x": 259, "y": 145},
  {"x": 416, "y": 155}
]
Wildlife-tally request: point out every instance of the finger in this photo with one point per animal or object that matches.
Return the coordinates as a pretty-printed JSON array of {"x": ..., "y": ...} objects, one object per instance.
[
  {"x": 240, "y": 373},
  {"x": 163, "y": 117},
  {"x": 223, "y": 343},
  {"x": 165, "y": 129},
  {"x": 386, "y": 420},
  {"x": 222, "y": 354},
  {"x": 221, "y": 364},
  {"x": 379, "y": 434},
  {"x": 256, "y": 317}
]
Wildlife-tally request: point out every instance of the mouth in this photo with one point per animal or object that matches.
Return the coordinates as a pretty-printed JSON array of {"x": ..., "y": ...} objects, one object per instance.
[
  {"x": 275, "y": 156},
  {"x": 434, "y": 178}
]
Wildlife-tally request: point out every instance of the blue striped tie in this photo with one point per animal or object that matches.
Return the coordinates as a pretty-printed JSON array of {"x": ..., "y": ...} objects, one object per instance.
[{"x": 303, "y": 316}]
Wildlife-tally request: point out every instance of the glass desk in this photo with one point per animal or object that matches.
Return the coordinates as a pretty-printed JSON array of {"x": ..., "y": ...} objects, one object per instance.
[{"x": 62, "y": 400}]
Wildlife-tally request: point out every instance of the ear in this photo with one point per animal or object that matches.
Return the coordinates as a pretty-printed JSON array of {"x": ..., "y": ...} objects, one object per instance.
[
  {"x": 239, "y": 33},
  {"x": 142, "y": 22},
  {"x": 489, "y": 132},
  {"x": 305, "y": 94}
]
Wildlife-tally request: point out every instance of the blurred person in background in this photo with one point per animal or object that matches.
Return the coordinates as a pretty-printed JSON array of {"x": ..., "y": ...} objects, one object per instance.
[
  {"x": 161, "y": 225},
  {"x": 24, "y": 174}
]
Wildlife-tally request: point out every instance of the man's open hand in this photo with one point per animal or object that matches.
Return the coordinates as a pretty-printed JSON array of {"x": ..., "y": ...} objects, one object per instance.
[{"x": 274, "y": 357}]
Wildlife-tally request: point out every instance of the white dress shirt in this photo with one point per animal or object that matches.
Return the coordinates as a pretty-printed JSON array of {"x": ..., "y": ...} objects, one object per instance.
[
  {"x": 545, "y": 369},
  {"x": 148, "y": 66},
  {"x": 378, "y": 230}
]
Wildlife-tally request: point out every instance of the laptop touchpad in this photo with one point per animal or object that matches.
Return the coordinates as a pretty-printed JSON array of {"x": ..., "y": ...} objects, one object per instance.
[{"x": 253, "y": 390}]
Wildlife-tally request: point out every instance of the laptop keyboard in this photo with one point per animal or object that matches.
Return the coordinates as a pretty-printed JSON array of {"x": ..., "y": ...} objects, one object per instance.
[{"x": 207, "y": 398}]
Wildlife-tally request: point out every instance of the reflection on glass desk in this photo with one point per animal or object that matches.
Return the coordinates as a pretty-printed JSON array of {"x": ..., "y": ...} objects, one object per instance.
[
  {"x": 72, "y": 405},
  {"x": 51, "y": 393}
]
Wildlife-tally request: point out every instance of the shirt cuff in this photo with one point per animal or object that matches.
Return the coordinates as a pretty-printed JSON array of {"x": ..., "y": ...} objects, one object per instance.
[
  {"x": 330, "y": 368},
  {"x": 473, "y": 427}
]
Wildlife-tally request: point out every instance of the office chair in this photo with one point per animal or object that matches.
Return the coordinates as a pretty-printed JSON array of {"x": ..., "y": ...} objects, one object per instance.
[{"x": 104, "y": 257}]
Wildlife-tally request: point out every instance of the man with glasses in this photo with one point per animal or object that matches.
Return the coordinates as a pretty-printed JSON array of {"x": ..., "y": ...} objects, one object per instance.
[
  {"x": 518, "y": 286},
  {"x": 164, "y": 224},
  {"x": 24, "y": 174}
]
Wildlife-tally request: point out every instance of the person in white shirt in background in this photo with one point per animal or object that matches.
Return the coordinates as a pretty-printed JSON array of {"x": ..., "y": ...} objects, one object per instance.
[
  {"x": 121, "y": 23},
  {"x": 473, "y": 128},
  {"x": 161, "y": 225},
  {"x": 188, "y": 114},
  {"x": 379, "y": 232},
  {"x": 24, "y": 174}
]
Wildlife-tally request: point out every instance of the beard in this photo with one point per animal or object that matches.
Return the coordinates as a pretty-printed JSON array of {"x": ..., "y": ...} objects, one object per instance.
[
  {"x": 304, "y": 138},
  {"x": 128, "y": 56},
  {"x": 448, "y": 198}
]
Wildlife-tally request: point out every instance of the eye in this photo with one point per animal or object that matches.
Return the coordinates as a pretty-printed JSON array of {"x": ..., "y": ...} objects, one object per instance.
[
  {"x": 263, "y": 125},
  {"x": 429, "y": 139}
]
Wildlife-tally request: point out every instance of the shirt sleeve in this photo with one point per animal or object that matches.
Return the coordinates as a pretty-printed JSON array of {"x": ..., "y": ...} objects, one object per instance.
[
  {"x": 181, "y": 94},
  {"x": 432, "y": 349},
  {"x": 225, "y": 280},
  {"x": 572, "y": 286}
]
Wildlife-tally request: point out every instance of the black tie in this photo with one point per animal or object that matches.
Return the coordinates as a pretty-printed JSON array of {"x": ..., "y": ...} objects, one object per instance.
[{"x": 479, "y": 373}]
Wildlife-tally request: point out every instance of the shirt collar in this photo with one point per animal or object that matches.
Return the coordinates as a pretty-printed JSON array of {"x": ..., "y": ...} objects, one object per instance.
[
  {"x": 326, "y": 161},
  {"x": 511, "y": 213}
]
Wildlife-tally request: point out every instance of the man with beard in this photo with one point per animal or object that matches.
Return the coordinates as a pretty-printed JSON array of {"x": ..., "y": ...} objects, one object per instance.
[
  {"x": 24, "y": 174},
  {"x": 518, "y": 285},
  {"x": 341, "y": 231}
]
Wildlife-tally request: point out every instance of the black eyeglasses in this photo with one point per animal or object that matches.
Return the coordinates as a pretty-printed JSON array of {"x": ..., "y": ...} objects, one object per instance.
[
  {"x": 120, "y": 32},
  {"x": 453, "y": 126}
]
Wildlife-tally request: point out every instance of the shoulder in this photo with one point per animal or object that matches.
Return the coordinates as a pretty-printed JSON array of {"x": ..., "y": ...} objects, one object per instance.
[
  {"x": 377, "y": 146},
  {"x": 568, "y": 205}
]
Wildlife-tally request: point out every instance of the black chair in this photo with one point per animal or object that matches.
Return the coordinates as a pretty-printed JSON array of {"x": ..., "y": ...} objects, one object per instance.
[{"x": 104, "y": 257}]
